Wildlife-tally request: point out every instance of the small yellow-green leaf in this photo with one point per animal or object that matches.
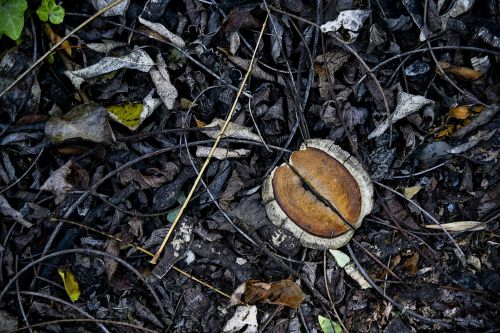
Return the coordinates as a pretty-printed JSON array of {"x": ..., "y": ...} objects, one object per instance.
[
  {"x": 173, "y": 213},
  {"x": 410, "y": 192},
  {"x": 329, "y": 326},
  {"x": 128, "y": 114},
  {"x": 70, "y": 283}
]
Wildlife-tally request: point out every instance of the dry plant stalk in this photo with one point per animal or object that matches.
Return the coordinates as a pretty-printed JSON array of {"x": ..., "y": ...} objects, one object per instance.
[{"x": 214, "y": 147}]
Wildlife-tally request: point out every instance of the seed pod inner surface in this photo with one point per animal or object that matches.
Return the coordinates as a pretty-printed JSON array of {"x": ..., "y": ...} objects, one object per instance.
[{"x": 317, "y": 193}]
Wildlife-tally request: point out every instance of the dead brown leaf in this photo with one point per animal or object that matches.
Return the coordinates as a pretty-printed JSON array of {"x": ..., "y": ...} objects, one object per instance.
[
  {"x": 463, "y": 73},
  {"x": 284, "y": 292}
]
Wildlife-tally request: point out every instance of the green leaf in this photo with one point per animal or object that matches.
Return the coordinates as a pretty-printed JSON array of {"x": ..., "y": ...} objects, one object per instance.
[
  {"x": 50, "y": 11},
  {"x": 328, "y": 326},
  {"x": 12, "y": 17},
  {"x": 173, "y": 213}
]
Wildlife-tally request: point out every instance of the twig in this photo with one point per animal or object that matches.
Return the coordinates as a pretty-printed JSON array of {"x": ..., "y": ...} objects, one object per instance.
[{"x": 207, "y": 161}]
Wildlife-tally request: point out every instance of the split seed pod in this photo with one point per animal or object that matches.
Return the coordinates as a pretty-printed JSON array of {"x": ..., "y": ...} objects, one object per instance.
[{"x": 321, "y": 196}]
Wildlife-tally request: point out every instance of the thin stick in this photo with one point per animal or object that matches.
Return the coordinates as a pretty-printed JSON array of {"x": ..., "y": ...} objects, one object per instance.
[
  {"x": 216, "y": 143},
  {"x": 59, "y": 43}
]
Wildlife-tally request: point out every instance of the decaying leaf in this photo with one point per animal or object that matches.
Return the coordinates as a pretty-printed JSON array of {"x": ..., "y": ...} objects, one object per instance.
[
  {"x": 458, "y": 226},
  {"x": 8, "y": 323},
  {"x": 233, "y": 130},
  {"x": 65, "y": 179},
  {"x": 344, "y": 262},
  {"x": 284, "y": 292},
  {"x": 137, "y": 59},
  {"x": 54, "y": 38},
  {"x": 329, "y": 326},
  {"x": 164, "y": 32},
  {"x": 87, "y": 122},
  {"x": 118, "y": 10},
  {"x": 245, "y": 317},
  {"x": 256, "y": 72},
  {"x": 410, "y": 191},
  {"x": 463, "y": 73},
  {"x": 406, "y": 105},
  {"x": 222, "y": 153},
  {"x": 110, "y": 265},
  {"x": 106, "y": 46},
  {"x": 460, "y": 112},
  {"x": 132, "y": 115},
  {"x": 70, "y": 283},
  {"x": 7, "y": 210},
  {"x": 161, "y": 79},
  {"x": 144, "y": 181},
  {"x": 349, "y": 20}
]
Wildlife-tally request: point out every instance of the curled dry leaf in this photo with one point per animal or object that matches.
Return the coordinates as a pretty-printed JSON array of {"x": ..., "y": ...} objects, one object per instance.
[
  {"x": 256, "y": 72},
  {"x": 132, "y": 115},
  {"x": 407, "y": 104},
  {"x": 463, "y": 73},
  {"x": 106, "y": 46},
  {"x": 321, "y": 196},
  {"x": 222, "y": 153},
  {"x": 245, "y": 317},
  {"x": 137, "y": 59},
  {"x": 70, "y": 283},
  {"x": 66, "y": 179},
  {"x": 118, "y": 10},
  {"x": 7, "y": 210},
  {"x": 349, "y": 20},
  {"x": 164, "y": 32},
  {"x": 233, "y": 130},
  {"x": 458, "y": 226},
  {"x": 161, "y": 79},
  {"x": 284, "y": 292},
  {"x": 344, "y": 262},
  {"x": 87, "y": 122}
]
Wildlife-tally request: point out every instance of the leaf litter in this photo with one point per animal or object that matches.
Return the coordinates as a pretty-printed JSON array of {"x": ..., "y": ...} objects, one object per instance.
[{"x": 166, "y": 73}]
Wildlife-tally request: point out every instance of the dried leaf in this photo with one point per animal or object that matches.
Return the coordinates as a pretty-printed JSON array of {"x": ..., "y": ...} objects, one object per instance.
[
  {"x": 7, "y": 210},
  {"x": 8, "y": 322},
  {"x": 233, "y": 130},
  {"x": 87, "y": 122},
  {"x": 106, "y": 46},
  {"x": 66, "y": 179},
  {"x": 458, "y": 226},
  {"x": 340, "y": 257},
  {"x": 460, "y": 112},
  {"x": 164, "y": 32},
  {"x": 54, "y": 38},
  {"x": 110, "y": 265},
  {"x": 329, "y": 326},
  {"x": 256, "y": 72},
  {"x": 349, "y": 20},
  {"x": 161, "y": 79},
  {"x": 70, "y": 283},
  {"x": 406, "y": 105},
  {"x": 222, "y": 153},
  {"x": 132, "y": 115},
  {"x": 343, "y": 261},
  {"x": 463, "y": 73},
  {"x": 144, "y": 181},
  {"x": 137, "y": 59},
  {"x": 411, "y": 191},
  {"x": 245, "y": 317},
  {"x": 118, "y": 10},
  {"x": 473, "y": 140},
  {"x": 284, "y": 292}
]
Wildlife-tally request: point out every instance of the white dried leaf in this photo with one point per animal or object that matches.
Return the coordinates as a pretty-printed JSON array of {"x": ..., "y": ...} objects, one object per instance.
[
  {"x": 106, "y": 46},
  {"x": 232, "y": 131},
  {"x": 350, "y": 20},
  {"x": 458, "y": 8},
  {"x": 160, "y": 28},
  {"x": 7, "y": 210},
  {"x": 161, "y": 79},
  {"x": 137, "y": 59},
  {"x": 245, "y": 316},
  {"x": 481, "y": 64},
  {"x": 62, "y": 181},
  {"x": 458, "y": 226},
  {"x": 118, "y": 10},
  {"x": 87, "y": 122},
  {"x": 406, "y": 105},
  {"x": 340, "y": 257},
  {"x": 473, "y": 140},
  {"x": 222, "y": 153},
  {"x": 356, "y": 275}
]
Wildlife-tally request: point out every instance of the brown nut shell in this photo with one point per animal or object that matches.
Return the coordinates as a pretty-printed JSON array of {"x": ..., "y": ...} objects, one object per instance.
[{"x": 321, "y": 196}]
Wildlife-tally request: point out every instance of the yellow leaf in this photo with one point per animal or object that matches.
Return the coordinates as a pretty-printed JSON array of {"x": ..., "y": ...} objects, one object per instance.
[
  {"x": 410, "y": 192},
  {"x": 128, "y": 114},
  {"x": 460, "y": 112},
  {"x": 200, "y": 123},
  {"x": 70, "y": 283},
  {"x": 186, "y": 104},
  {"x": 54, "y": 38},
  {"x": 463, "y": 73}
]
